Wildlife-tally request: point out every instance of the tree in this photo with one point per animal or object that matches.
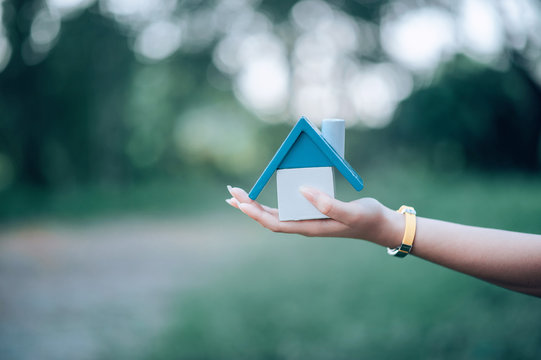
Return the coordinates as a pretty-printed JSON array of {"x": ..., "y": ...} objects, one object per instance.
[
  {"x": 62, "y": 119},
  {"x": 492, "y": 119}
]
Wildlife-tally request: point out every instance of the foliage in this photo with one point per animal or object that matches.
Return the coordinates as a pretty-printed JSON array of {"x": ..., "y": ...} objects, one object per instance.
[
  {"x": 61, "y": 119},
  {"x": 475, "y": 115},
  {"x": 88, "y": 112},
  {"x": 89, "y": 109}
]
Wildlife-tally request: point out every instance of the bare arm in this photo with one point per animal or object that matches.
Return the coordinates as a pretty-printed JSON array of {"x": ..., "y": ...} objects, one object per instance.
[{"x": 508, "y": 259}]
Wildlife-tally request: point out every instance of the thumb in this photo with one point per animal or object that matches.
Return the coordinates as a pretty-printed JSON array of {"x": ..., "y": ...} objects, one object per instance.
[{"x": 335, "y": 209}]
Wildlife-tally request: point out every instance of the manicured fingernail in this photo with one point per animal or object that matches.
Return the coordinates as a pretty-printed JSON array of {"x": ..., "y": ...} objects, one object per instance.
[
  {"x": 309, "y": 192},
  {"x": 233, "y": 202},
  {"x": 244, "y": 206}
]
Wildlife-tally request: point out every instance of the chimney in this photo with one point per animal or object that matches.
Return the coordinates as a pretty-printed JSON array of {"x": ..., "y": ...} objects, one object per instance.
[{"x": 334, "y": 131}]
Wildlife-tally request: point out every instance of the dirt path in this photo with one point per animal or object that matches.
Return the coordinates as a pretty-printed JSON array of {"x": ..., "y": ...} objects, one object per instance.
[{"x": 98, "y": 290}]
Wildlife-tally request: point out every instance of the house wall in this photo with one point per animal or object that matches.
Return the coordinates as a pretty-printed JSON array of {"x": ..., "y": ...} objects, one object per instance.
[{"x": 291, "y": 204}]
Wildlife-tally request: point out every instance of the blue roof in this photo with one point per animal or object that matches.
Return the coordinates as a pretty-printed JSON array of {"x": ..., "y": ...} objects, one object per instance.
[{"x": 305, "y": 146}]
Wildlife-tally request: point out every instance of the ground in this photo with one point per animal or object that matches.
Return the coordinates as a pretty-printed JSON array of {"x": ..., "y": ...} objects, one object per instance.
[{"x": 78, "y": 291}]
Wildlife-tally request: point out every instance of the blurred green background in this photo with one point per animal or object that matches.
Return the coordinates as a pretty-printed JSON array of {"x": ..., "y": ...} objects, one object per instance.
[{"x": 121, "y": 122}]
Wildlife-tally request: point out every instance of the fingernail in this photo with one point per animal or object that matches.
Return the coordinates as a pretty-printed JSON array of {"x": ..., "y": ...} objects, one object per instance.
[
  {"x": 309, "y": 192},
  {"x": 244, "y": 206},
  {"x": 229, "y": 201}
]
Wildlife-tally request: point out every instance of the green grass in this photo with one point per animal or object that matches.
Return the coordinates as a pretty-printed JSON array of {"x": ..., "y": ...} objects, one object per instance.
[
  {"x": 301, "y": 298},
  {"x": 349, "y": 301}
]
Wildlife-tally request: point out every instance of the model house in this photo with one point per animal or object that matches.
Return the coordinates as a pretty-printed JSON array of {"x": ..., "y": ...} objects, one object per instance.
[{"x": 307, "y": 157}]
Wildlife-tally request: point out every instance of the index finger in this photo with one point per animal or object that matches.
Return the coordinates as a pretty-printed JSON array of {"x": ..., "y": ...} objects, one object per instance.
[{"x": 242, "y": 197}]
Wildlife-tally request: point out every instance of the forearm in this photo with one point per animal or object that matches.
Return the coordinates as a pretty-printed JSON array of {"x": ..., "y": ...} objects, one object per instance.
[{"x": 506, "y": 258}]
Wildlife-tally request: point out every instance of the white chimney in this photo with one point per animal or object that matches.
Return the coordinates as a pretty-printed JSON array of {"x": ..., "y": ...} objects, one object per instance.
[{"x": 334, "y": 131}]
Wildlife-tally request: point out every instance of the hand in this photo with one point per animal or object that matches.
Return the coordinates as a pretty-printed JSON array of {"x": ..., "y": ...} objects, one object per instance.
[{"x": 361, "y": 219}]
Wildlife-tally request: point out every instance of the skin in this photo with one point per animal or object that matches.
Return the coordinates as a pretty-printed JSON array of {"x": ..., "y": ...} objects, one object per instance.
[{"x": 508, "y": 259}]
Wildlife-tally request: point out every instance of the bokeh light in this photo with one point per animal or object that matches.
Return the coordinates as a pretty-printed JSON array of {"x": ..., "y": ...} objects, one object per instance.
[
  {"x": 158, "y": 40},
  {"x": 419, "y": 38},
  {"x": 217, "y": 135},
  {"x": 5, "y": 46},
  {"x": 68, "y": 7},
  {"x": 482, "y": 33}
]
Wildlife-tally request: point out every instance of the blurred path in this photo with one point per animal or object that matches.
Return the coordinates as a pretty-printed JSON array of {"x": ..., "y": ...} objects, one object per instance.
[{"x": 101, "y": 290}]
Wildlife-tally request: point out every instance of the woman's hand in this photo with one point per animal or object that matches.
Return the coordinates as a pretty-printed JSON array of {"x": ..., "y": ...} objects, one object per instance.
[{"x": 361, "y": 219}]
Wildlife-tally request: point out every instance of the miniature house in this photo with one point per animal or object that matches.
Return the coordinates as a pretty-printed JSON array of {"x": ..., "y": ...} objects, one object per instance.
[{"x": 307, "y": 157}]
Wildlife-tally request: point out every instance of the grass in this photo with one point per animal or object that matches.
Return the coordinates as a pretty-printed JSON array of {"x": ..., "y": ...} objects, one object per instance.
[
  {"x": 354, "y": 305},
  {"x": 300, "y": 298}
]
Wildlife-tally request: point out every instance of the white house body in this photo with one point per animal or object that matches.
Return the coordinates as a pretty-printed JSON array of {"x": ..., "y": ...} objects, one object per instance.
[{"x": 291, "y": 204}]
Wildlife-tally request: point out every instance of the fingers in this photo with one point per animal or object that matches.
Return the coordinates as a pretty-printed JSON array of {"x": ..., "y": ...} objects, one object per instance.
[
  {"x": 268, "y": 217},
  {"x": 239, "y": 194},
  {"x": 233, "y": 202},
  {"x": 324, "y": 228},
  {"x": 269, "y": 209},
  {"x": 346, "y": 213},
  {"x": 265, "y": 218}
]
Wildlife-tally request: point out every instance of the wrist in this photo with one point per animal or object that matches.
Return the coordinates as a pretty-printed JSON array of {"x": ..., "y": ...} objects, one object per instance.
[{"x": 391, "y": 229}]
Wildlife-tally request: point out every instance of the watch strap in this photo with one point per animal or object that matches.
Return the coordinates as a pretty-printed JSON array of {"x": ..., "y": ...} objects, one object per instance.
[{"x": 409, "y": 233}]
